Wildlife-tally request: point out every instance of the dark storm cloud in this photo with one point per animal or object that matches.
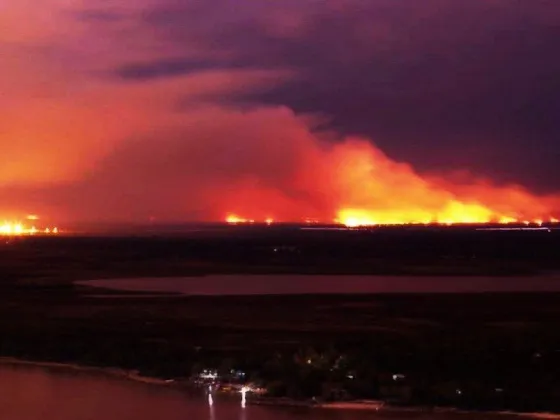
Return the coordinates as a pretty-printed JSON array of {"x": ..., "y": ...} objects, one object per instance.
[{"x": 440, "y": 84}]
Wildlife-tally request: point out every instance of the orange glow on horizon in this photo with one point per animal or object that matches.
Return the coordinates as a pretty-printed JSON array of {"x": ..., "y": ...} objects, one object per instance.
[
  {"x": 356, "y": 184},
  {"x": 367, "y": 188},
  {"x": 363, "y": 218},
  {"x": 235, "y": 220},
  {"x": 454, "y": 213},
  {"x": 464, "y": 215},
  {"x": 14, "y": 228}
]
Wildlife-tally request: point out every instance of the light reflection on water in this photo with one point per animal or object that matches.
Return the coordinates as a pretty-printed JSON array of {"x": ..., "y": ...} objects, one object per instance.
[
  {"x": 211, "y": 405},
  {"x": 30, "y": 393}
]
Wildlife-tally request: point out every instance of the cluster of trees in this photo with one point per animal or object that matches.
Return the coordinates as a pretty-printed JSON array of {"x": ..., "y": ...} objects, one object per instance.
[{"x": 474, "y": 379}]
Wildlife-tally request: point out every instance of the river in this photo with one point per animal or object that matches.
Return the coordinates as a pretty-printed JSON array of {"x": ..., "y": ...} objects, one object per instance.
[
  {"x": 293, "y": 284},
  {"x": 37, "y": 393}
]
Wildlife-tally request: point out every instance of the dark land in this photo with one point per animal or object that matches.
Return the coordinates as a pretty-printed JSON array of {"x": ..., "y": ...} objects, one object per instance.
[{"x": 477, "y": 351}]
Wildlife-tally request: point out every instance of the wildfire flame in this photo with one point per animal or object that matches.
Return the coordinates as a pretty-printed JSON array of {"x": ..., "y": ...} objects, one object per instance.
[
  {"x": 357, "y": 218},
  {"x": 355, "y": 184},
  {"x": 8, "y": 228},
  {"x": 235, "y": 220},
  {"x": 383, "y": 192}
]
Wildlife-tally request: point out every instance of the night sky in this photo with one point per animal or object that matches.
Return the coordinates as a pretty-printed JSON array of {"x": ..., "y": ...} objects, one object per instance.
[{"x": 189, "y": 109}]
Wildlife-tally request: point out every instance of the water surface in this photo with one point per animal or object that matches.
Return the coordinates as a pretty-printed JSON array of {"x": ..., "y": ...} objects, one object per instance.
[
  {"x": 294, "y": 284},
  {"x": 34, "y": 393}
]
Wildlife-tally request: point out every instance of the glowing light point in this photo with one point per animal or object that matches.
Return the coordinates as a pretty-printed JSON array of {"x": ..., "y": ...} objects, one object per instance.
[
  {"x": 232, "y": 219},
  {"x": 311, "y": 221},
  {"x": 19, "y": 229},
  {"x": 244, "y": 391},
  {"x": 505, "y": 220}
]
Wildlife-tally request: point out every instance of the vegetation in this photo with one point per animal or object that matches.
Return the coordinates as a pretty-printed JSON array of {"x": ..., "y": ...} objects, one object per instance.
[{"x": 487, "y": 351}]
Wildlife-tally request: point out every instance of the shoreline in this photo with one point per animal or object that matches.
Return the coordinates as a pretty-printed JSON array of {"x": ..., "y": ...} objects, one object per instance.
[
  {"x": 247, "y": 285},
  {"x": 133, "y": 376}
]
